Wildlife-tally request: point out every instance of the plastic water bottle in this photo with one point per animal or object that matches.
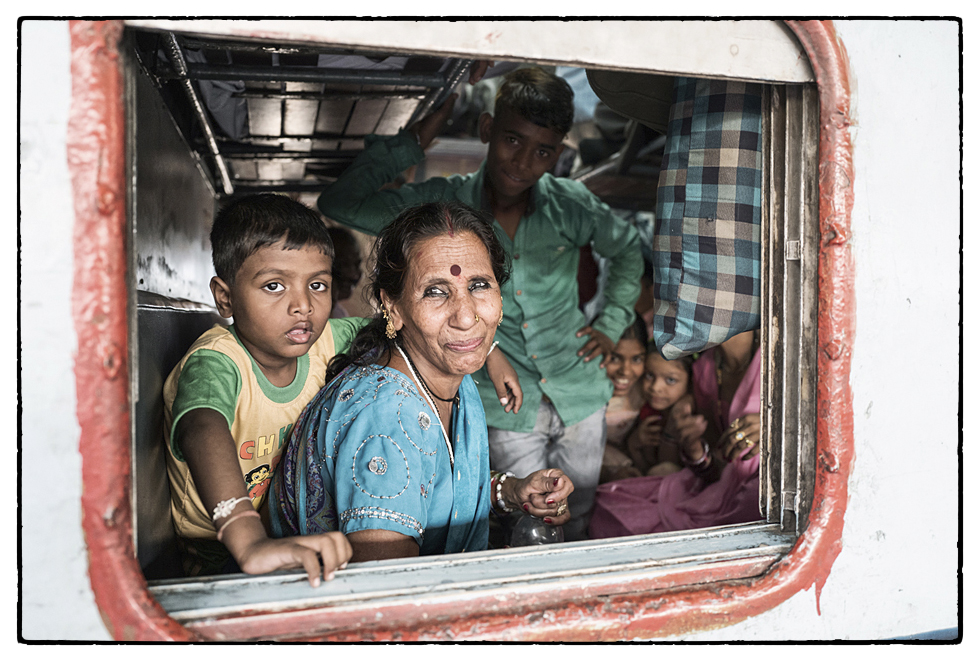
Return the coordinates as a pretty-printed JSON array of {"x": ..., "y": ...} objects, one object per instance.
[{"x": 530, "y": 530}]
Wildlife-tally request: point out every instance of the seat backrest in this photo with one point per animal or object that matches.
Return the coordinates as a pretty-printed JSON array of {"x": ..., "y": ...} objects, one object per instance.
[{"x": 167, "y": 327}]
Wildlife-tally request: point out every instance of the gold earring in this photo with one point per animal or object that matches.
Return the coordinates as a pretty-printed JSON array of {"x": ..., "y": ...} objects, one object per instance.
[{"x": 390, "y": 330}]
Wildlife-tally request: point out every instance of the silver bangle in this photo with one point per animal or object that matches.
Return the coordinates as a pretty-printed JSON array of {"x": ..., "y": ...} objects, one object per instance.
[
  {"x": 224, "y": 508},
  {"x": 500, "y": 496},
  {"x": 491, "y": 348}
]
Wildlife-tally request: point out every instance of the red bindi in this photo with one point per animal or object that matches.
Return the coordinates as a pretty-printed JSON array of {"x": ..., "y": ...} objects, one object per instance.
[{"x": 455, "y": 270}]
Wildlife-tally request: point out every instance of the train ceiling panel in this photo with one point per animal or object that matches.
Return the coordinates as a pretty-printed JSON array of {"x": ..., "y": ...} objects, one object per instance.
[
  {"x": 280, "y": 117},
  {"x": 267, "y": 117}
]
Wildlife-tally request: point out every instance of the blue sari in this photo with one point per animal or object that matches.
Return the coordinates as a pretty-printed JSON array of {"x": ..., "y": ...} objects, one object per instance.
[{"x": 368, "y": 454}]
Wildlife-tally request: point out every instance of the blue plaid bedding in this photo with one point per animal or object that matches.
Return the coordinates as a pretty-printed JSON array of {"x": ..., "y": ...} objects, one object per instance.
[{"x": 707, "y": 251}]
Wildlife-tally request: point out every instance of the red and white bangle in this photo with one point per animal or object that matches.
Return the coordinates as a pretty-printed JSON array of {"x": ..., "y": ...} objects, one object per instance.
[
  {"x": 701, "y": 463},
  {"x": 499, "y": 493}
]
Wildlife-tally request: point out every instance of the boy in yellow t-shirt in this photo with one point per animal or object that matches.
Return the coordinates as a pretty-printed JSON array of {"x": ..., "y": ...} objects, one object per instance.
[{"x": 231, "y": 401}]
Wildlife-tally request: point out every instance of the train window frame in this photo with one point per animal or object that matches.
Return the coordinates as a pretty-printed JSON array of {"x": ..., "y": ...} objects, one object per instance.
[{"x": 668, "y": 582}]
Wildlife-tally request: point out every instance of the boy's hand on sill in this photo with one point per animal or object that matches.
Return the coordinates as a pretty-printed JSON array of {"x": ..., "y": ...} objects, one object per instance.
[{"x": 262, "y": 554}]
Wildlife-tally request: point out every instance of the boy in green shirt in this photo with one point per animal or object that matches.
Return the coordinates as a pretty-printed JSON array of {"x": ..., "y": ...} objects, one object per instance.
[{"x": 541, "y": 222}]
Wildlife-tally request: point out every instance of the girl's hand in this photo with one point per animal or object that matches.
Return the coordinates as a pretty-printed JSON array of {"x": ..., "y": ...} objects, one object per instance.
[
  {"x": 644, "y": 442},
  {"x": 306, "y": 551},
  {"x": 649, "y": 432},
  {"x": 543, "y": 493},
  {"x": 598, "y": 344},
  {"x": 742, "y": 434},
  {"x": 505, "y": 381},
  {"x": 688, "y": 428},
  {"x": 670, "y": 426}
]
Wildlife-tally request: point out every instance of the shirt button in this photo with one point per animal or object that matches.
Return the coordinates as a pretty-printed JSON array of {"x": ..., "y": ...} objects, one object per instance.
[
  {"x": 525, "y": 325},
  {"x": 534, "y": 357},
  {"x": 516, "y": 256},
  {"x": 544, "y": 380},
  {"x": 518, "y": 292}
]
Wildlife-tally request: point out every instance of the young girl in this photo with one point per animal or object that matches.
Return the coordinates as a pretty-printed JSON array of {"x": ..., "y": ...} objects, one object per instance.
[
  {"x": 624, "y": 368},
  {"x": 664, "y": 384},
  {"x": 719, "y": 484}
]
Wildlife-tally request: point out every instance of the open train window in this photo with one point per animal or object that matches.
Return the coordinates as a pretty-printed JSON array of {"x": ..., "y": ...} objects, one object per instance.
[{"x": 301, "y": 127}]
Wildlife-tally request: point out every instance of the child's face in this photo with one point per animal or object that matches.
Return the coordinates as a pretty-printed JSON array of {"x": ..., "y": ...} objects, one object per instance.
[
  {"x": 519, "y": 152},
  {"x": 625, "y": 365},
  {"x": 664, "y": 381},
  {"x": 280, "y": 302}
]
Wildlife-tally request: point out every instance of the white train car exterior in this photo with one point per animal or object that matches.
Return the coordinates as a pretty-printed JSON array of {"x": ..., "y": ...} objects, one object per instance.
[{"x": 894, "y": 567}]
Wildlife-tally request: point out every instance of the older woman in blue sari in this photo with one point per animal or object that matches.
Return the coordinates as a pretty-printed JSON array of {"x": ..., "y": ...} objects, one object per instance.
[{"x": 393, "y": 450}]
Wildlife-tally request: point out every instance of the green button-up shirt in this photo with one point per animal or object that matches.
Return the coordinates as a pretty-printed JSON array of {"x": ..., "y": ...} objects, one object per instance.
[{"x": 541, "y": 314}]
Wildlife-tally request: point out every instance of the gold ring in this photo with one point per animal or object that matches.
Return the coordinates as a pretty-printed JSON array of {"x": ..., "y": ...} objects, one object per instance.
[{"x": 561, "y": 509}]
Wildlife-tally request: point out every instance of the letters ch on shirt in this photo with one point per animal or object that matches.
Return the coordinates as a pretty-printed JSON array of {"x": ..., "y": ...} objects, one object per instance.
[{"x": 264, "y": 445}]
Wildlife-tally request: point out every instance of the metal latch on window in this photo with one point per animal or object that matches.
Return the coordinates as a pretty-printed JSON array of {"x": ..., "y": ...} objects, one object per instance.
[{"x": 793, "y": 250}]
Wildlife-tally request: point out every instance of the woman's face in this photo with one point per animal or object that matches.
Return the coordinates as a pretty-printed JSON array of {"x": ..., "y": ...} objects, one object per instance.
[
  {"x": 625, "y": 365},
  {"x": 450, "y": 305}
]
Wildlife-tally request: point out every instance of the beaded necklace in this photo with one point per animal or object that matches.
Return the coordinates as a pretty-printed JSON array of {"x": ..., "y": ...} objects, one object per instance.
[{"x": 427, "y": 393}]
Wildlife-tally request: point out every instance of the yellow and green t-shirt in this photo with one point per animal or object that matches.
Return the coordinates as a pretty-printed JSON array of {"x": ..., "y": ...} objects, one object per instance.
[{"x": 219, "y": 373}]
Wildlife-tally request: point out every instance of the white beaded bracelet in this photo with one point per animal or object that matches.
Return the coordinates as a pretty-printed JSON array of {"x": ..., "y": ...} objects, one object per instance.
[
  {"x": 500, "y": 497},
  {"x": 224, "y": 508}
]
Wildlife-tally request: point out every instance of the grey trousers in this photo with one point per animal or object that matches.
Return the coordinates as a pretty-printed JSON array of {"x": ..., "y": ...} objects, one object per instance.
[{"x": 575, "y": 450}]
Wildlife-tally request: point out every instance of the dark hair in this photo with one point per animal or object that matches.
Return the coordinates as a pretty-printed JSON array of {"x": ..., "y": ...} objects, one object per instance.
[
  {"x": 637, "y": 330},
  {"x": 538, "y": 97},
  {"x": 686, "y": 360},
  {"x": 260, "y": 220},
  {"x": 392, "y": 249}
]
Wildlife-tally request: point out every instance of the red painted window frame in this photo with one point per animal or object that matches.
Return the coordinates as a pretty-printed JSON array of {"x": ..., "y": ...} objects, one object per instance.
[{"x": 96, "y": 156}]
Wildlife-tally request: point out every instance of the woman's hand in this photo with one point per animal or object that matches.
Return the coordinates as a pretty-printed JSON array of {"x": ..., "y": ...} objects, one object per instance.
[
  {"x": 742, "y": 434},
  {"x": 505, "y": 381},
  {"x": 543, "y": 493}
]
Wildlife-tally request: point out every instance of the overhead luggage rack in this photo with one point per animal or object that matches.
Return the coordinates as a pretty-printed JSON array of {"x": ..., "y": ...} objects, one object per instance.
[{"x": 276, "y": 117}]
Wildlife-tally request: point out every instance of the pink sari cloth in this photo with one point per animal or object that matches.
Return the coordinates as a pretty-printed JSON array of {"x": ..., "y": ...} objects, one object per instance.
[{"x": 682, "y": 500}]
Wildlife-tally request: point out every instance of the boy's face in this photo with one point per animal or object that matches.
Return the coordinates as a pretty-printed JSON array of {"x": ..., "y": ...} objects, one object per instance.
[
  {"x": 280, "y": 302},
  {"x": 519, "y": 152}
]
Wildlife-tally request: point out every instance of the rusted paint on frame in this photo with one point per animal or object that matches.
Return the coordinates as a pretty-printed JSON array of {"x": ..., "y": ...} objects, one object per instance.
[{"x": 96, "y": 160}]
